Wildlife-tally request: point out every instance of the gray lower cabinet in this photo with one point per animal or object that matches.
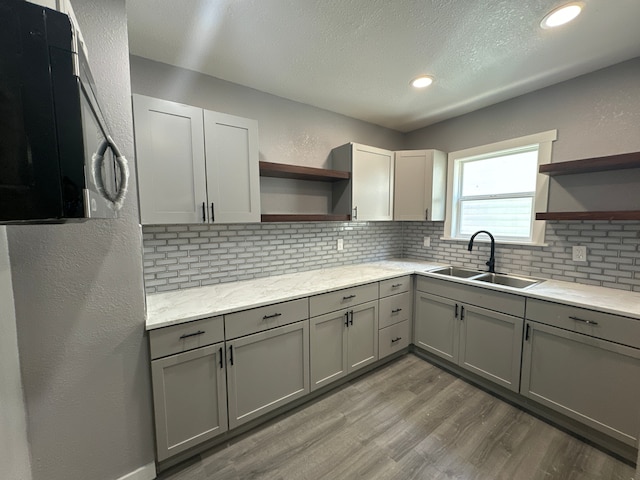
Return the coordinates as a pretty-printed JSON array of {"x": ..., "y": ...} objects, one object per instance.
[
  {"x": 592, "y": 380},
  {"x": 190, "y": 399},
  {"x": 267, "y": 370},
  {"x": 481, "y": 340},
  {"x": 343, "y": 342}
]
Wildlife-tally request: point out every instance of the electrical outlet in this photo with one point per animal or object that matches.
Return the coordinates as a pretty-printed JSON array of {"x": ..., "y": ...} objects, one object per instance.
[
  {"x": 579, "y": 254},
  {"x": 340, "y": 244},
  {"x": 426, "y": 242}
]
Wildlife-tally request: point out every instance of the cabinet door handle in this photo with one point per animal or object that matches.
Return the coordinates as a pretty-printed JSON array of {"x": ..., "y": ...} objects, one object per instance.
[
  {"x": 588, "y": 322},
  {"x": 272, "y": 316},
  {"x": 456, "y": 312},
  {"x": 396, "y": 285},
  {"x": 462, "y": 312},
  {"x": 204, "y": 212},
  {"x": 213, "y": 213},
  {"x": 426, "y": 214},
  {"x": 355, "y": 213},
  {"x": 220, "y": 353},
  {"x": 397, "y": 339},
  {"x": 348, "y": 297},
  {"x": 396, "y": 310},
  {"x": 194, "y": 334},
  {"x": 231, "y": 354},
  {"x": 351, "y": 317},
  {"x": 527, "y": 332},
  {"x": 346, "y": 319}
]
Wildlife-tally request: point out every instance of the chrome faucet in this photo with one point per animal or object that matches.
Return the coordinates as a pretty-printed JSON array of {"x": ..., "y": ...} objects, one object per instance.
[{"x": 492, "y": 259}]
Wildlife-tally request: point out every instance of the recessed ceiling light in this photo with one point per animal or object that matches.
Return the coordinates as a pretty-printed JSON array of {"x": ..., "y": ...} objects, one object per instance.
[
  {"x": 422, "y": 81},
  {"x": 562, "y": 15}
]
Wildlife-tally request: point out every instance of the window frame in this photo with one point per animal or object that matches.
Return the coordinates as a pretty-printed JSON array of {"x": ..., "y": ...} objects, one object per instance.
[{"x": 540, "y": 198}]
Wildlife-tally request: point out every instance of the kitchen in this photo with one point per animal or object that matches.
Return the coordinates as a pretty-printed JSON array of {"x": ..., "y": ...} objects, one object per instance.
[{"x": 78, "y": 288}]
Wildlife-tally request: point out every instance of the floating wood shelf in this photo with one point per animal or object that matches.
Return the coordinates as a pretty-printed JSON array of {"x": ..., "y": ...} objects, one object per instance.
[
  {"x": 613, "y": 215},
  {"x": 297, "y": 172},
  {"x": 589, "y": 165},
  {"x": 300, "y": 217}
]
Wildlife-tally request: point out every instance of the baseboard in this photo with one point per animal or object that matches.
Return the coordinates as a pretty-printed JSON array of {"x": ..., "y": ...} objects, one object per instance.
[{"x": 148, "y": 472}]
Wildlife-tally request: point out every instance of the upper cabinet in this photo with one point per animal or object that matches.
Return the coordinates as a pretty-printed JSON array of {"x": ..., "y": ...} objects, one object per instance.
[
  {"x": 195, "y": 166},
  {"x": 369, "y": 193},
  {"x": 420, "y": 185}
]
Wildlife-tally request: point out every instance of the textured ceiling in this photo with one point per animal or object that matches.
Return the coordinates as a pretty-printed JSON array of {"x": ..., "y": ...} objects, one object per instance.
[{"x": 356, "y": 57}]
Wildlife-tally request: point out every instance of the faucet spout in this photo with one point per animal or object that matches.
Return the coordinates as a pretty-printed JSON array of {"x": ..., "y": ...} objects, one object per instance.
[{"x": 492, "y": 259}]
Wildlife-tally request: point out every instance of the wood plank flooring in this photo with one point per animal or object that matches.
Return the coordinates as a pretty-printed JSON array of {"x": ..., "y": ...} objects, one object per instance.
[{"x": 407, "y": 420}]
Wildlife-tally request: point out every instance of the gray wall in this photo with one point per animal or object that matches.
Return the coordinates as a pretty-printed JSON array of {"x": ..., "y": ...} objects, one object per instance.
[
  {"x": 79, "y": 305},
  {"x": 14, "y": 450}
]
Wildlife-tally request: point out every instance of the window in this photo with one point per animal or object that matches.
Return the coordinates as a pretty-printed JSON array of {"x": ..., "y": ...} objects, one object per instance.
[{"x": 497, "y": 188}]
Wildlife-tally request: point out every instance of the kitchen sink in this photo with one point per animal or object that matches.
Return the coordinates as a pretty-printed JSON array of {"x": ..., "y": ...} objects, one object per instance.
[
  {"x": 507, "y": 280},
  {"x": 457, "y": 272}
]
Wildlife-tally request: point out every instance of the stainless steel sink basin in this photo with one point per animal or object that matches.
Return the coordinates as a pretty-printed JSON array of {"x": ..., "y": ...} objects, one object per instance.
[
  {"x": 457, "y": 272},
  {"x": 507, "y": 280}
]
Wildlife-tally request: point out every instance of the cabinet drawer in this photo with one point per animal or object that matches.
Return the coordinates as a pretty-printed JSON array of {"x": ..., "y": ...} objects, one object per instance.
[
  {"x": 332, "y": 301},
  {"x": 393, "y": 339},
  {"x": 186, "y": 336},
  {"x": 482, "y": 297},
  {"x": 395, "y": 285},
  {"x": 395, "y": 309},
  {"x": 263, "y": 318},
  {"x": 607, "y": 326}
]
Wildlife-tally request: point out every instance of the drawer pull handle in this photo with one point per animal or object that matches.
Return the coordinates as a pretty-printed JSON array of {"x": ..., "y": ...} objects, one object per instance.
[
  {"x": 397, "y": 339},
  {"x": 396, "y": 285},
  {"x": 195, "y": 334},
  {"x": 348, "y": 297},
  {"x": 271, "y": 316},
  {"x": 588, "y": 322},
  {"x": 396, "y": 310}
]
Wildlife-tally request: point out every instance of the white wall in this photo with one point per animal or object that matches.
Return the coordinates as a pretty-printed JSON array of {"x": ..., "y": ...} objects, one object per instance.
[
  {"x": 14, "y": 450},
  {"x": 79, "y": 307}
]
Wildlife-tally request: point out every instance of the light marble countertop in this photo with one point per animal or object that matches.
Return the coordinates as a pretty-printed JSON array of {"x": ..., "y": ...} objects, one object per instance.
[{"x": 164, "y": 309}]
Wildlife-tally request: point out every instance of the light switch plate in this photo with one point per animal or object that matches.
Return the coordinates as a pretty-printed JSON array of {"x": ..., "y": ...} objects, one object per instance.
[
  {"x": 579, "y": 253},
  {"x": 340, "y": 244}
]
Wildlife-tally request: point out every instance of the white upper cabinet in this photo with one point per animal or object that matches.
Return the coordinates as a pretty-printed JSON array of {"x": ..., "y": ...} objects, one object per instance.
[
  {"x": 233, "y": 177},
  {"x": 370, "y": 192},
  {"x": 195, "y": 166},
  {"x": 420, "y": 185},
  {"x": 170, "y": 161}
]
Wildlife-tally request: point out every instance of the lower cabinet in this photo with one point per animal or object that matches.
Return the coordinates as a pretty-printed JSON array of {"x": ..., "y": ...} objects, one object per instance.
[
  {"x": 190, "y": 398},
  {"x": 483, "y": 341},
  {"x": 342, "y": 342},
  {"x": 592, "y": 380},
  {"x": 267, "y": 370}
]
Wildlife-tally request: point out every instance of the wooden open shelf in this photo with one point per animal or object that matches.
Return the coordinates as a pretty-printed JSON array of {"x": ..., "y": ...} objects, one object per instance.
[
  {"x": 613, "y": 215},
  {"x": 589, "y": 165},
  {"x": 297, "y": 172},
  {"x": 300, "y": 217}
]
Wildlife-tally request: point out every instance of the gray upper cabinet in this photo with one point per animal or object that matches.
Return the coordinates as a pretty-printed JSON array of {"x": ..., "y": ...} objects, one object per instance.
[
  {"x": 420, "y": 185},
  {"x": 195, "y": 166},
  {"x": 233, "y": 177},
  {"x": 170, "y": 160},
  {"x": 369, "y": 193}
]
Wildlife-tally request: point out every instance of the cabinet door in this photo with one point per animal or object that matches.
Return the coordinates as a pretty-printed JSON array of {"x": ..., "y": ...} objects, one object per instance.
[
  {"x": 267, "y": 370},
  {"x": 436, "y": 325},
  {"x": 189, "y": 398},
  {"x": 491, "y": 345},
  {"x": 233, "y": 182},
  {"x": 591, "y": 380},
  {"x": 362, "y": 333},
  {"x": 328, "y": 337},
  {"x": 420, "y": 182},
  {"x": 372, "y": 183},
  {"x": 170, "y": 161}
]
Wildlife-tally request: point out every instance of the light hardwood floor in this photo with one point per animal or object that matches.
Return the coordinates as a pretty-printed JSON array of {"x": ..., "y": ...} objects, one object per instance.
[{"x": 406, "y": 420}]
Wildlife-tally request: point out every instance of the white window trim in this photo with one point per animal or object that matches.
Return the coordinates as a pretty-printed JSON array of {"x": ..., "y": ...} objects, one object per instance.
[{"x": 544, "y": 141}]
